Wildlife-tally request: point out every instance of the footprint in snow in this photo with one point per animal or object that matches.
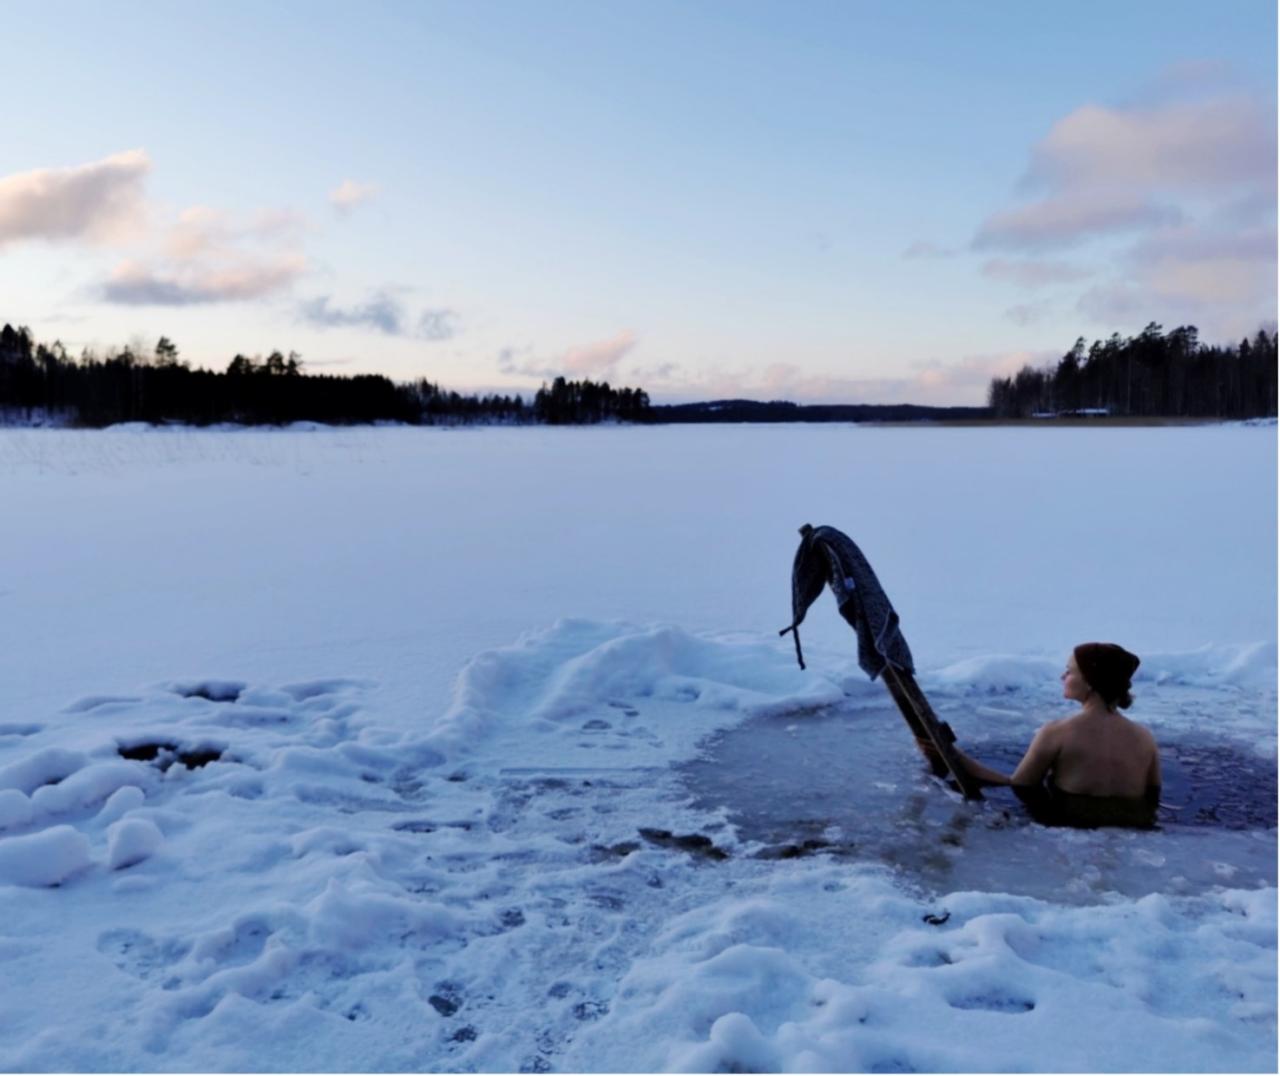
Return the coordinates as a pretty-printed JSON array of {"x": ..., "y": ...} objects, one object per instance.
[
  {"x": 139, "y": 954},
  {"x": 240, "y": 944},
  {"x": 992, "y": 1003}
]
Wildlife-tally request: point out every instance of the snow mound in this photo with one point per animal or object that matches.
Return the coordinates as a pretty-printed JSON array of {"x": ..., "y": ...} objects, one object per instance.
[
  {"x": 132, "y": 840},
  {"x": 550, "y": 680},
  {"x": 46, "y": 858}
]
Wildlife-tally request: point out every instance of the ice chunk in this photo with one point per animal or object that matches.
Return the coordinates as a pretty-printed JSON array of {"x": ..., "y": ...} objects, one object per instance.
[
  {"x": 44, "y": 767},
  {"x": 45, "y": 858},
  {"x": 120, "y": 803},
  {"x": 132, "y": 840},
  {"x": 15, "y": 809},
  {"x": 87, "y": 786}
]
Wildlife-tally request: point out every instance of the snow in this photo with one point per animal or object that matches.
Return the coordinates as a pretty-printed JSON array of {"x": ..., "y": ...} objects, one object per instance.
[{"x": 477, "y": 749}]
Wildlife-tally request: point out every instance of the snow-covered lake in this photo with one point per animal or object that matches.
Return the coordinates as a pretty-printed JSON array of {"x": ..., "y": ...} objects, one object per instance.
[{"x": 377, "y": 749}]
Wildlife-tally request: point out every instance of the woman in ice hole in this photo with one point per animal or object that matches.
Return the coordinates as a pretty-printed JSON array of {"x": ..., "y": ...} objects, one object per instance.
[{"x": 1097, "y": 766}]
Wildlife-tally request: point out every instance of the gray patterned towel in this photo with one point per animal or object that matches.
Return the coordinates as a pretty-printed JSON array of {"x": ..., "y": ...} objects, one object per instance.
[{"x": 828, "y": 557}]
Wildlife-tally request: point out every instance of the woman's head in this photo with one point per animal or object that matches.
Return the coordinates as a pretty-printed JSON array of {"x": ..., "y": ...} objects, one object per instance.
[{"x": 1107, "y": 669}]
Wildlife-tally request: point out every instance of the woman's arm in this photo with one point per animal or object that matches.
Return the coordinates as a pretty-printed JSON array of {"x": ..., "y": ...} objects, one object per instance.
[
  {"x": 984, "y": 774},
  {"x": 1035, "y": 763}
]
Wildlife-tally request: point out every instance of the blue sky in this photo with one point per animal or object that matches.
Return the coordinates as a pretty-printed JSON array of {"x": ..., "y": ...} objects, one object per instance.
[{"x": 849, "y": 201}]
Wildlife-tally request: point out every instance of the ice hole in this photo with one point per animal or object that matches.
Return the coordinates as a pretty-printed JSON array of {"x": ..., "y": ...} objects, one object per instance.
[
  {"x": 850, "y": 783},
  {"x": 163, "y": 755}
]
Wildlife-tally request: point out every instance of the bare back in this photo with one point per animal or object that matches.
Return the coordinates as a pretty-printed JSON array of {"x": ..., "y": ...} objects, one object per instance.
[{"x": 1102, "y": 754}]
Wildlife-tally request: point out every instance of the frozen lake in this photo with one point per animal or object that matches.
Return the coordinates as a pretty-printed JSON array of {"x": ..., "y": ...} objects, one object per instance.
[{"x": 478, "y": 750}]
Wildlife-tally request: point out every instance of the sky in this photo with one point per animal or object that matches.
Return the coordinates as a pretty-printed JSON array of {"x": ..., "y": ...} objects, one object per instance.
[{"x": 855, "y": 201}]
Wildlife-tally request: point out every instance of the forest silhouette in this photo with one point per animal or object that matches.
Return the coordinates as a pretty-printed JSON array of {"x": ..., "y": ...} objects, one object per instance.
[
  {"x": 39, "y": 380},
  {"x": 1152, "y": 375}
]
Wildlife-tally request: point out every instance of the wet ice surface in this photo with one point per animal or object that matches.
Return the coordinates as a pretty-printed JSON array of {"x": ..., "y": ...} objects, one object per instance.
[{"x": 849, "y": 782}]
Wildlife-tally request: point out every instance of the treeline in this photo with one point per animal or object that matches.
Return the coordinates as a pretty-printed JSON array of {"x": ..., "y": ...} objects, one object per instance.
[
  {"x": 126, "y": 385},
  {"x": 1152, "y": 374}
]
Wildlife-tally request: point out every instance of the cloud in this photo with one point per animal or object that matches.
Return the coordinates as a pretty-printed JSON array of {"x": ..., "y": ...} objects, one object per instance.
[
  {"x": 1212, "y": 144},
  {"x": 202, "y": 231},
  {"x": 600, "y": 358},
  {"x": 349, "y": 194},
  {"x": 99, "y": 202},
  {"x": 1182, "y": 189},
  {"x": 381, "y": 311},
  {"x": 1114, "y": 170},
  {"x": 437, "y": 324},
  {"x": 597, "y": 361},
  {"x": 1070, "y": 219},
  {"x": 134, "y": 284},
  {"x": 1034, "y": 274}
]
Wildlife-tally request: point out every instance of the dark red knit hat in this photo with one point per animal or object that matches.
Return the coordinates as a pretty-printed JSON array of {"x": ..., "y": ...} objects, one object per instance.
[{"x": 1107, "y": 668}]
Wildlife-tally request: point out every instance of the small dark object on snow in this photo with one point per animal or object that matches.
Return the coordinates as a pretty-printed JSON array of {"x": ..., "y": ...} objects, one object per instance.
[
  {"x": 444, "y": 1006},
  {"x": 696, "y": 843},
  {"x": 936, "y": 920},
  {"x": 796, "y": 851}
]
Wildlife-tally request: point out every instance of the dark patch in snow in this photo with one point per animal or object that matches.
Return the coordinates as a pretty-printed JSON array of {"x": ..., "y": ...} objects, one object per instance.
[
  {"x": 812, "y": 846},
  {"x": 162, "y": 755},
  {"x": 415, "y": 825},
  {"x": 936, "y": 920},
  {"x": 590, "y": 1010},
  {"x": 464, "y": 1034},
  {"x": 988, "y": 1003},
  {"x": 212, "y": 690},
  {"x": 694, "y": 843},
  {"x": 447, "y": 999}
]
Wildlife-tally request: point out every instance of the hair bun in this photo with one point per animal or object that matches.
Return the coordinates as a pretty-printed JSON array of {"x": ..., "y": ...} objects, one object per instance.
[{"x": 1108, "y": 669}]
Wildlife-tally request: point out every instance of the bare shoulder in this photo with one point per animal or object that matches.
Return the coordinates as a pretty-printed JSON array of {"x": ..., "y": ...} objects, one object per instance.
[
  {"x": 1144, "y": 734},
  {"x": 1051, "y": 732},
  {"x": 1053, "y": 728}
]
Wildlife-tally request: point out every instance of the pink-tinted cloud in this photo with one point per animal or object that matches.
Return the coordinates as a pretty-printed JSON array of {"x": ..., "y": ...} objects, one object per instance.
[
  {"x": 1204, "y": 145},
  {"x": 1034, "y": 274},
  {"x": 349, "y": 194},
  {"x": 99, "y": 202},
  {"x": 1103, "y": 171},
  {"x": 134, "y": 284},
  {"x": 600, "y": 358},
  {"x": 1186, "y": 184},
  {"x": 595, "y": 361},
  {"x": 1071, "y": 218},
  {"x": 202, "y": 231}
]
